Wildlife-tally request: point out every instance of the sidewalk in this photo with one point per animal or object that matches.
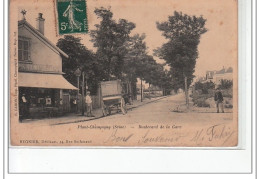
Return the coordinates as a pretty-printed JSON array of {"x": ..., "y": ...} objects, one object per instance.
[{"x": 76, "y": 118}]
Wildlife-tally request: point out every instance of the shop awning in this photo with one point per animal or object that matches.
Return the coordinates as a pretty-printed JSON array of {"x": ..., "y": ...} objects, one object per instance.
[{"x": 38, "y": 80}]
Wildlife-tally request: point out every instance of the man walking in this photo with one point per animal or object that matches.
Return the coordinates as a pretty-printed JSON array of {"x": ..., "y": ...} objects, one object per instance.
[
  {"x": 219, "y": 100},
  {"x": 88, "y": 101}
]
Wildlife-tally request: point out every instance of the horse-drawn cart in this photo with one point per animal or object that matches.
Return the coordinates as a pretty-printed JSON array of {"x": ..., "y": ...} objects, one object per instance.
[{"x": 112, "y": 97}]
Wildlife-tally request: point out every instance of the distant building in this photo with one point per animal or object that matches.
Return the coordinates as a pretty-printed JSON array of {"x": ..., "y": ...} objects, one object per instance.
[
  {"x": 217, "y": 76},
  {"x": 210, "y": 75},
  {"x": 224, "y": 74}
]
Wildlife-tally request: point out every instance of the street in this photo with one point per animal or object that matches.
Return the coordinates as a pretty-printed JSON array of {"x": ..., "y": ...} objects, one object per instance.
[
  {"x": 153, "y": 124},
  {"x": 162, "y": 112}
]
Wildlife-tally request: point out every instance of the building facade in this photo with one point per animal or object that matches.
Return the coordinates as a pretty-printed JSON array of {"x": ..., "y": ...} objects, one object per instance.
[
  {"x": 217, "y": 76},
  {"x": 42, "y": 87}
]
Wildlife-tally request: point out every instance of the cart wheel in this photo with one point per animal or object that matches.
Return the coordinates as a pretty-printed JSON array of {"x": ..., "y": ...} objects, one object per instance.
[
  {"x": 109, "y": 110},
  {"x": 104, "y": 109},
  {"x": 104, "y": 112},
  {"x": 123, "y": 106}
]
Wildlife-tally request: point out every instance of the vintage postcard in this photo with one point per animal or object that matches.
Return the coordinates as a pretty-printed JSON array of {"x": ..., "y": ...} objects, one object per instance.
[{"x": 131, "y": 73}]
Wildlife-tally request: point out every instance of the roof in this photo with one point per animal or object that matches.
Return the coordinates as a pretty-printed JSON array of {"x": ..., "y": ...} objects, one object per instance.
[
  {"x": 221, "y": 71},
  {"x": 34, "y": 30},
  {"x": 229, "y": 70}
]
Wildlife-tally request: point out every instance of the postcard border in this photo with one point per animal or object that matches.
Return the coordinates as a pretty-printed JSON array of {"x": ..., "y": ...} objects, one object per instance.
[{"x": 8, "y": 96}]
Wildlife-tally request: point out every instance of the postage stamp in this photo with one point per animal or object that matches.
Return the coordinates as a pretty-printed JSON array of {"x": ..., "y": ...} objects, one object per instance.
[{"x": 71, "y": 16}]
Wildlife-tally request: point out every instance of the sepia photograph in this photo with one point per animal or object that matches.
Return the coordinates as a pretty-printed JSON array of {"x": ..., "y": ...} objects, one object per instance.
[{"x": 132, "y": 73}]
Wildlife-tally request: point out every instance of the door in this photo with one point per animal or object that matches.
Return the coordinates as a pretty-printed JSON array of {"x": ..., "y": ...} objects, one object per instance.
[{"x": 66, "y": 103}]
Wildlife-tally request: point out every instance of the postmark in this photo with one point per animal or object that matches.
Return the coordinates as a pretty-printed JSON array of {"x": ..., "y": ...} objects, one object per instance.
[{"x": 71, "y": 16}]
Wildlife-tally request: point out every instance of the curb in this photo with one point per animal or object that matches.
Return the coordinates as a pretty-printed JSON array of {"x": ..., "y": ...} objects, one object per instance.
[
  {"x": 146, "y": 103},
  {"x": 84, "y": 120}
]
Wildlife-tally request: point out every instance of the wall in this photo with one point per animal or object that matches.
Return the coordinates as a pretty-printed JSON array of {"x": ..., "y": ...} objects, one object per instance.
[{"x": 42, "y": 54}]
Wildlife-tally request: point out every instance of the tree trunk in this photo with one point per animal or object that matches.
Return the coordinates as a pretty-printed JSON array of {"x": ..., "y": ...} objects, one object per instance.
[
  {"x": 149, "y": 91},
  {"x": 83, "y": 96},
  {"x": 109, "y": 69},
  {"x": 78, "y": 94},
  {"x": 108, "y": 73},
  {"x": 141, "y": 90},
  {"x": 186, "y": 91}
]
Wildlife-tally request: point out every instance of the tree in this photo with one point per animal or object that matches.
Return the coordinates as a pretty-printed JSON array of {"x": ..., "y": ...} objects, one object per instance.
[
  {"x": 136, "y": 52},
  {"x": 165, "y": 81},
  {"x": 204, "y": 87},
  {"x": 139, "y": 64},
  {"x": 154, "y": 71},
  {"x": 225, "y": 84},
  {"x": 110, "y": 38},
  {"x": 79, "y": 57},
  {"x": 181, "y": 51}
]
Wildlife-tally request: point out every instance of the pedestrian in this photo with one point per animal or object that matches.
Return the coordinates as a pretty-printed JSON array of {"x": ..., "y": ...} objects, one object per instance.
[
  {"x": 88, "y": 101},
  {"x": 73, "y": 104},
  {"x": 219, "y": 100},
  {"x": 24, "y": 108}
]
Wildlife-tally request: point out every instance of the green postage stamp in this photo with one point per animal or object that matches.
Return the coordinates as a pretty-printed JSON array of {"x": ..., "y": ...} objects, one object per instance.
[{"x": 71, "y": 16}]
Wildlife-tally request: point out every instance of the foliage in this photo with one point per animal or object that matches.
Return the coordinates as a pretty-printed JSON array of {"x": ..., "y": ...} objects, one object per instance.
[
  {"x": 134, "y": 64},
  {"x": 110, "y": 38},
  {"x": 118, "y": 55},
  {"x": 79, "y": 57},
  {"x": 204, "y": 87},
  {"x": 139, "y": 64},
  {"x": 181, "y": 51},
  {"x": 225, "y": 84},
  {"x": 201, "y": 102}
]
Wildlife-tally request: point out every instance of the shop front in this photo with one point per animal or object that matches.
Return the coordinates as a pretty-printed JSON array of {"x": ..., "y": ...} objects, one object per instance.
[{"x": 42, "y": 95}]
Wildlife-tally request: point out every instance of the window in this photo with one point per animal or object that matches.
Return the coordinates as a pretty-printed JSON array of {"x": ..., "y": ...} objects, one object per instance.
[{"x": 23, "y": 49}]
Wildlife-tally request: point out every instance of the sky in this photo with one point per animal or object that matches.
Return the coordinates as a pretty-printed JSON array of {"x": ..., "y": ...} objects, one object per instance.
[{"x": 217, "y": 48}]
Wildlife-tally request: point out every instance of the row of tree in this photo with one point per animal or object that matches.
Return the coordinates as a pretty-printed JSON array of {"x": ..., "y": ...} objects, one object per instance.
[
  {"x": 122, "y": 56},
  {"x": 118, "y": 55}
]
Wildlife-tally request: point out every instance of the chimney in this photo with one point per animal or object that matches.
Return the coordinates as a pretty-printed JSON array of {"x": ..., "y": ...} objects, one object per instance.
[{"x": 40, "y": 23}]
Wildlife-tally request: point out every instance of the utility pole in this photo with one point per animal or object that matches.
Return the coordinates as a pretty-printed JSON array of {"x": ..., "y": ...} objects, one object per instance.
[
  {"x": 149, "y": 90},
  {"x": 186, "y": 92},
  {"x": 77, "y": 73},
  {"x": 83, "y": 96}
]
